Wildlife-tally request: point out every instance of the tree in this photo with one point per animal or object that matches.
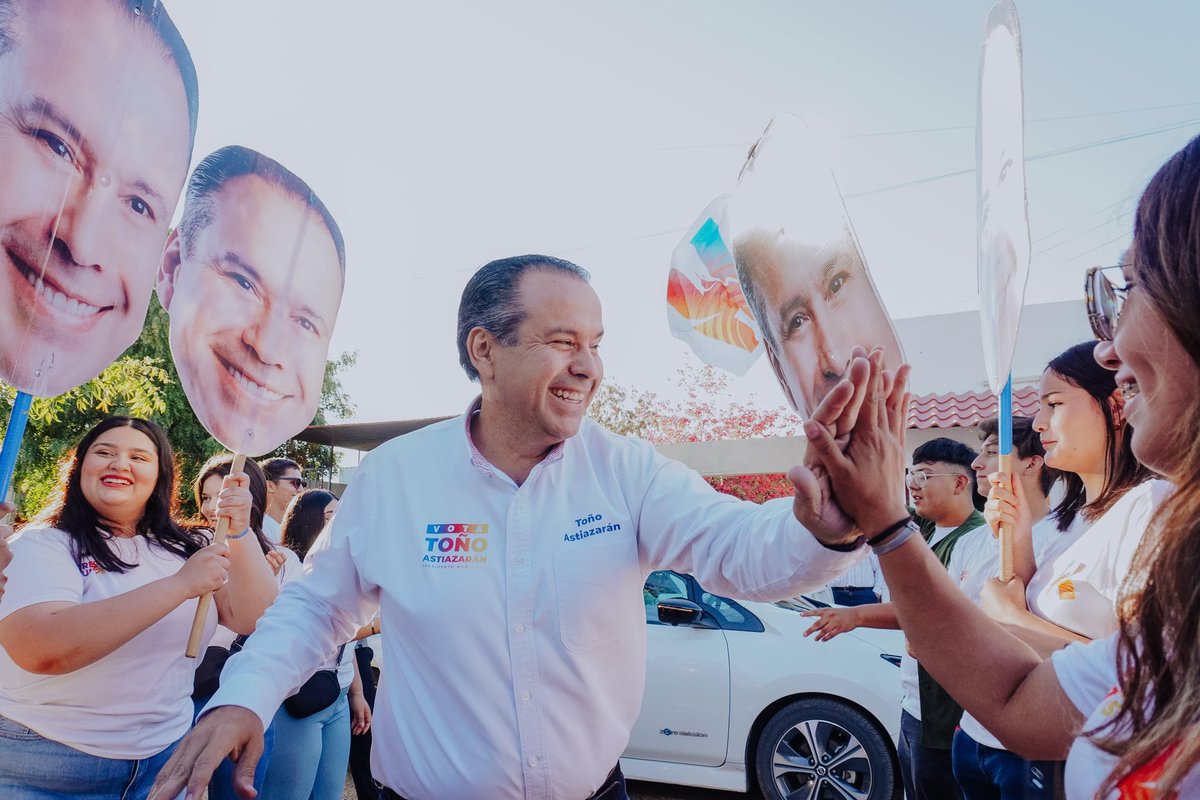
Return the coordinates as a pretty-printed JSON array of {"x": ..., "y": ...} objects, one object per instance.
[
  {"x": 144, "y": 382},
  {"x": 702, "y": 417}
]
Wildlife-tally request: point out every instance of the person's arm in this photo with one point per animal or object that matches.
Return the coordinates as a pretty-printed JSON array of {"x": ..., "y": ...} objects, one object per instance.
[
  {"x": 60, "y": 636},
  {"x": 367, "y": 630},
  {"x": 994, "y": 675},
  {"x": 360, "y": 712},
  {"x": 1005, "y": 603},
  {"x": 741, "y": 549},
  {"x": 252, "y": 585},
  {"x": 312, "y": 616},
  {"x": 831, "y": 622}
]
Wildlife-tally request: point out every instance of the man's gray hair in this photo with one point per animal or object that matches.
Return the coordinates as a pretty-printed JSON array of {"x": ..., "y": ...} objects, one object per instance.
[{"x": 490, "y": 300}]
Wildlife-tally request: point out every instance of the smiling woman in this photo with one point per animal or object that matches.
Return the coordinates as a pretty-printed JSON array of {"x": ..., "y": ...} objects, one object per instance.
[{"x": 103, "y": 588}]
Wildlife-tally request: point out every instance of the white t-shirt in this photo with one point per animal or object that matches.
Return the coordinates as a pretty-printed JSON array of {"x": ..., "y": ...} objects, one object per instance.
[
  {"x": 910, "y": 701},
  {"x": 1077, "y": 582},
  {"x": 135, "y": 701},
  {"x": 272, "y": 529},
  {"x": 1088, "y": 676},
  {"x": 975, "y": 560}
]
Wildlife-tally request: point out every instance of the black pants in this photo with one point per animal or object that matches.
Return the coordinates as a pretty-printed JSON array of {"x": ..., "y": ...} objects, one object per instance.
[
  {"x": 613, "y": 788},
  {"x": 926, "y": 771},
  {"x": 360, "y": 743}
]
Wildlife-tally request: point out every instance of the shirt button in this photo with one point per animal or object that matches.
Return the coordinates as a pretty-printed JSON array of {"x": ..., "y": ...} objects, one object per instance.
[
  {"x": 525, "y": 697},
  {"x": 518, "y": 561},
  {"x": 533, "y": 761},
  {"x": 520, "y": 629}
]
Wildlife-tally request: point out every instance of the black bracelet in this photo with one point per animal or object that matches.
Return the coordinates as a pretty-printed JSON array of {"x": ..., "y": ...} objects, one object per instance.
[
  {"x": 848, "y": 547},
  {"x": 875, "y": 541}
]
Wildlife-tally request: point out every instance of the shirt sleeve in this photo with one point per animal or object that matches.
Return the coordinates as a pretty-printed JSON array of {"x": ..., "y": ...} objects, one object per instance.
[
  {"x": 1087, "y": 672},
  {"x": 734, "y": 547},
  {"x": 42, "y": 571},
  {"x": 312, "y": 616}
]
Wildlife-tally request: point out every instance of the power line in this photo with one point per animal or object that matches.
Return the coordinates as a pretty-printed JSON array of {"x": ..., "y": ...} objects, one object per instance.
[
  {"x": 1053, "y": 233},
  {"x": 1093, "y": 249},
  {"x": 1079, "y": 235}
]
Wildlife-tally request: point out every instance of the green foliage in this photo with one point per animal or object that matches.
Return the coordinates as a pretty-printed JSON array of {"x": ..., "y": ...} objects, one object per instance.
[{"x": 144, "y": 383}]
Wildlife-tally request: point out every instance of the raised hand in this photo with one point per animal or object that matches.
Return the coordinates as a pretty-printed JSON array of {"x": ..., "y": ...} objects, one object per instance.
[
  {"x": 864, "y": 474},
  {"x": 205, "y": 571},
  {"x": 234, "y": 501}
]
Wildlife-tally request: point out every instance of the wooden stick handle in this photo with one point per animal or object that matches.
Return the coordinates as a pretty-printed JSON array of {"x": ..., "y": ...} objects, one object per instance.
[
  {"x": 1006, "y": 532},
  {"x": 198, "y": 622}
]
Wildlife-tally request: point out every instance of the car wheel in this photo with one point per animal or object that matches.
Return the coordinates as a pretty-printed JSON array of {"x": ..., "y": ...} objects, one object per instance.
[{"x": 819, "y": 749}]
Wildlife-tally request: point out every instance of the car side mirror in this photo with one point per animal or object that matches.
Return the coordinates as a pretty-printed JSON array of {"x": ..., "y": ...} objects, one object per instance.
[{"x": 680, "y": 611}]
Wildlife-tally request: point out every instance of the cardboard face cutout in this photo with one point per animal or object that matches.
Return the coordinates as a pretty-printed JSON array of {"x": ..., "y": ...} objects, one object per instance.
[
  {"x": 97, "y": 110},
  {"x": 252, "y": 280},
  {"x": 1003, "y": 266},
  {"x": 803, "y": 276}
]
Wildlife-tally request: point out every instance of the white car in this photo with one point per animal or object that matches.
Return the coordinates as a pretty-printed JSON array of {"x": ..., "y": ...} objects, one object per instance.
[{"x": 737, "y": 698}]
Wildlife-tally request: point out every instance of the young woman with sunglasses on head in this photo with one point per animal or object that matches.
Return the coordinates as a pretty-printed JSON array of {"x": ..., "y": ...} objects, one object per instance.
[
  {"x": 1127, "y": 707},
  {"x": 95, "y": 689}
]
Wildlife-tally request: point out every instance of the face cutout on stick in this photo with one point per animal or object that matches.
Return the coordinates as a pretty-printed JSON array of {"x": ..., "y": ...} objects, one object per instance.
[
  {"x": 801, "y": 269},
  {"x": 252, "y": 280},
  {"x": 97, "y": 112}
]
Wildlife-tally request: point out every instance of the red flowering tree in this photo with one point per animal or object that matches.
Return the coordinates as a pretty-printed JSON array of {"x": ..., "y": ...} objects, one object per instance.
[{"x": 706, "y": 414}]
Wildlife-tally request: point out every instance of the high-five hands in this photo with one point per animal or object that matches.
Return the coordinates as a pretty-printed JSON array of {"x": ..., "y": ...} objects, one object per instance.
[{"x": 855, "y": 459}]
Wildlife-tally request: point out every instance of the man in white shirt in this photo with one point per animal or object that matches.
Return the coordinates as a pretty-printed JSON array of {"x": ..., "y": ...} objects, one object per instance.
[
  {"x": 284, "y": 482},
  {"x": 505, "y": 552}
]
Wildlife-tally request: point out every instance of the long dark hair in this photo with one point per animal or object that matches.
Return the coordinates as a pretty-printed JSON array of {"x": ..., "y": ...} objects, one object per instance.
[
  {"x": 304, "y": 519},
  {"x": 1122, "y": 471},
  {"x": 70, "y": 511},
  {"x": 220, "y": 465},
  {"x": 1158, "y": 647}
]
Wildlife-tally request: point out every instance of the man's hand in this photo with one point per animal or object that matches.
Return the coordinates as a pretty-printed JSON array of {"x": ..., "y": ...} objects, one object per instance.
[
  {"x": 831, "y": 622},
  {"x": 864, "y": 476},
  {"x": 225, "y": 731},
  {"x": 814, "y": 504}
]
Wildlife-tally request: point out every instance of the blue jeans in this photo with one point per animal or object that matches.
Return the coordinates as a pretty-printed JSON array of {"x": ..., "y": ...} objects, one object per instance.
[
  {"x": 33, "y": 767},
  {"x": 221, "y": 785},
  {"x": 311, "y": 754},
  {"x": 854, "y": 595},
  {"x": 926, "y": 771},
  {"x": 985, "y": 773}
]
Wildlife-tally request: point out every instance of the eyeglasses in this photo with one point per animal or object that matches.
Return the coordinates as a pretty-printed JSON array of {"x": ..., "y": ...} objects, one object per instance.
[
  {"x": 297, "y": 483},
  {"x": 918, "y": 478},
  {"x": 1105, "y": 289}
]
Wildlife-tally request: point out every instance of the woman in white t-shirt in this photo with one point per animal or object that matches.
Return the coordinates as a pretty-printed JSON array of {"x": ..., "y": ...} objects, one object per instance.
[
  {"x": 1081, "y": 562},
  {"x": 311, "y": 753},
  {"x": 95, "y": 689},
  {"x": 1127, "y": 707}
]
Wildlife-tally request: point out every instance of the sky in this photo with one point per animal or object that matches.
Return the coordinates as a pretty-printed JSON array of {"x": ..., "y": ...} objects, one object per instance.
[{"x": 443, "y": 135}]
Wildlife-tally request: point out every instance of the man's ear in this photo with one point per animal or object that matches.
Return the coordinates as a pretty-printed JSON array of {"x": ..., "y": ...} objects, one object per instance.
[
  {"x": 783, "y": 384},
  {"x": 1033, "y": 464},
  {"x": 481, "y": 349},
  {"x": 168, "y": 270}
]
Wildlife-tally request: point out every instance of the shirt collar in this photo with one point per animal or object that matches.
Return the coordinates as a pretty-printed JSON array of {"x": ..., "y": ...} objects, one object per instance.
[{"x": 478, "y": 460}]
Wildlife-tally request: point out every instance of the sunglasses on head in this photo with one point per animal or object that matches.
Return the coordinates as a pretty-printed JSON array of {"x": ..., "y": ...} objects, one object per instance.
[{"x": 1105, "y": 290}]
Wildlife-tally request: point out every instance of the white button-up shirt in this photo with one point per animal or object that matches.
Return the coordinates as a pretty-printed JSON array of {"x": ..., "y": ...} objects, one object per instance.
[{"x": 513, "y": 624}]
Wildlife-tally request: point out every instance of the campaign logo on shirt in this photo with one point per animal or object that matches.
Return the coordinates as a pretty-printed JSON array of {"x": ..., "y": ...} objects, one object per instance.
[
  {"x": 1066, "y": 589},
  {"x": 589, "y": 526},
  {"x": 455, "y": 545},
  {"x": 89, "y": 566}
]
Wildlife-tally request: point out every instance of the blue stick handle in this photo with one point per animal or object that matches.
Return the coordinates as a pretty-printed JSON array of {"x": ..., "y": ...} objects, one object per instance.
[
  {"x": 12, "y": 440},
  {"x": 1005, "y": 426}
]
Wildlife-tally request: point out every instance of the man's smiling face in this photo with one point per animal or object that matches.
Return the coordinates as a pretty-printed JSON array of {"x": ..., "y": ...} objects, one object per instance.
[
  {"x": 94, "y": 145},
  {"x": 253, "y": 300}
]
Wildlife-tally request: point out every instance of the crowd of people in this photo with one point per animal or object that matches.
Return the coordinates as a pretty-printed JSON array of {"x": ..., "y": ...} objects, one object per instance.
[{"x": 479, "y": 542}]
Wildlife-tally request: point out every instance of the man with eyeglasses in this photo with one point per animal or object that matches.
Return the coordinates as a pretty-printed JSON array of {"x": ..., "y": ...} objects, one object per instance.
[
  {"x": 283, "y": 483},
  {"x": 941, "y": 484}
]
